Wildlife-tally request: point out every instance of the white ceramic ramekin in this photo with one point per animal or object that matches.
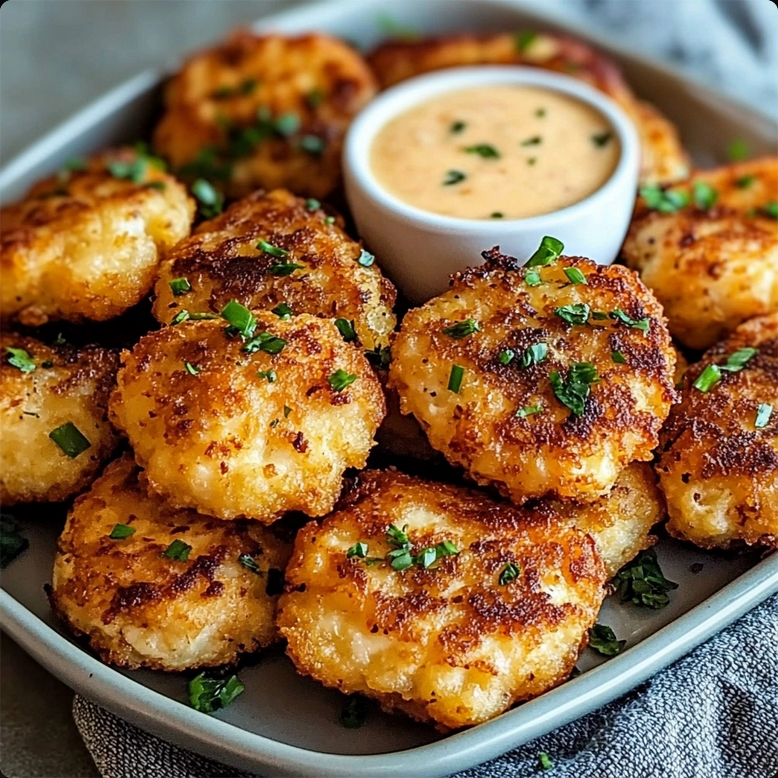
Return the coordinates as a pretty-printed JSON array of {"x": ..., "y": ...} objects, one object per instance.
[{"x": 419, "y": 250}]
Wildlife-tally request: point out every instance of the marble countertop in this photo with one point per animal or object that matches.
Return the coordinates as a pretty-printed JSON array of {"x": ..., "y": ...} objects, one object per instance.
[{"x": 56, "y": 55}]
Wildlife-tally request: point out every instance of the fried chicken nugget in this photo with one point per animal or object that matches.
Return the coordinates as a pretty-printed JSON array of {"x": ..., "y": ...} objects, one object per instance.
[
  {"x": 719, "y": 463},
  {"x": 85, "y": 244},
  {"x": 438, "y": 601},
  {"x": 265, "y": 111},
  {"x": 53, "y": 413},
  {"x": 313, "y": 267},
  {"x": 150, "y": 586},
  {"x": 664, "y": 158},
  {"x": 712, "y": 264},
  {"x": 252, "y": 426},
  {"x": 536, "y": 385}
]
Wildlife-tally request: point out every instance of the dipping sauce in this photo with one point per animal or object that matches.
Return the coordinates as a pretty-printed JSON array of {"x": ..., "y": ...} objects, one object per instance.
[{"x": 495, "y": 152}]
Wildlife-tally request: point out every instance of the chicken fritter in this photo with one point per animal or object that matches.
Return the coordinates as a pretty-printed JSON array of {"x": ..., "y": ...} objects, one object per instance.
[
  {"x": 265, "y": 111},
  {"x": 248, "y": 420},
  {"x": 85, "y": 244},
  {"x": 273, "y": 250},
  {"x": 54, "y": 418},
  {"x": 541, "y": 381},
  {"x": 719, "y": 463},
  {"x": 664, "y": 158},
  {"x": 708, "y": 249},
  {"x": 150, "y": 586},
  {"x": 438, "y": 601}
]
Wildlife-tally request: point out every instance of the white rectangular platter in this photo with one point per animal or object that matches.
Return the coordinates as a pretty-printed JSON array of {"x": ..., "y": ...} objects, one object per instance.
[{"x": 287, "y": 725}]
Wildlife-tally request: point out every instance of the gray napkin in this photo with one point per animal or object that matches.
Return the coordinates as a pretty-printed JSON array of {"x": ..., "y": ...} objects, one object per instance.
[{"x": 713, "y": 714}]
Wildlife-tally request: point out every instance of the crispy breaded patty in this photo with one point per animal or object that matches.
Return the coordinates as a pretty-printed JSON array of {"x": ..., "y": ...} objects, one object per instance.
[
  {"x": 333, "y": 277},
  {"x": 43, "y": 389},
  {"x": 233, "y": 432},
  {"x": 712, "y": 268},
  {"x": 265, "y": 111},
  {"x": 558, "y": 387},
  {"x": 719, "y": 463},
  {"x": 85, "y": 244},
  {"x": 664, "y": 158},
  {"x": 172, "y": 594},
  {"x": 499, "y": 619}
]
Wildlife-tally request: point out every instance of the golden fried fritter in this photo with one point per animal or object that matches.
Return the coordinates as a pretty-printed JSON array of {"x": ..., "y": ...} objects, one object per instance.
[
  {"x": 500, "y": 619},
  {"x": 535, "y": 402},
  {"x": 715, "y": 266},
  {"x": 265, "y": 111},
  {"x": 222, "y": 262},
  {"x": 233, "y": 432},
  {"x": 719, "y": 462},
  {"x": 664, "y": 158},
  {"x": 43, "y": 389},
  {"x": 170, "y": 592},
  {"x": 85, "y": 244}
]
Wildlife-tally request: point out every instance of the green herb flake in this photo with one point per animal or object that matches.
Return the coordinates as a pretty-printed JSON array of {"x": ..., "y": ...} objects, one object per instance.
[
  {"x": 737, "y": 360},
  {"x": 704, "y": 195},
  {"x": 179, "y": 286},
  {"x": 455, "y": 378},
  {"x": 180, "y": 317},
  {"x": 12, "y": 544},
  {"x": 525, "y": 39},
  {"x": 134, "y": 170},
  {"x": 544, "y": 761},
  {"x": 346, "y": 329},
  {"x": 576, "y": 314},
  {"x": 177, "y": 550},
  {"x": 287, "y": 124},
  {"x": 708, "y": 378},
  {"x": 380, "y": 357},
  {"x": 603, "y": 640},
  {"x": 770, "y": 210},
  {"x": 457, "y": 127},
  {"x": 575, "y": 276},
  {"x": 483, "y": 150},
  {"x": 533, "y": 355},
  {"x": 240, "y": 318},
  {"x": 329, "y": 220},
  {"x": 283, "y": 311},
  {"x": 618, "y": 358},
  {"x": 497, "y": 215},
  {"x": 267, "y": 342},
  {"x": 763, "y": 415},
  {"x": 287, "y": 411},
  {"x": 462, "y": 329},
  {"x": 70, "y": 439},
  {"x": 533, "y": 278},
  {"x": 210, "y": 199},
  {"x": 506, "y": 356},
  {"x": 20, "y": 359},
  {"x": 642, "y": 583},
  {"x": 737, "y": 150},
  {"x": 357, "y": 550},
  {"x": 540, "y": 112},
  {"x": 274, "y": 251},
  {"x": 354, "y": 712},
  {"x": 602, "y": 139},
  {"x": 510, "y": 572},
  {"x": 340, "y": 379},
  {"x": 744, "y": 182},
  {"x": 283, "y": 268},
  {"x": 549, "y": 250},
  {"x": 574, "y": 390},
  {"x": 535, "y": 140},
  {"x": 664, "y": 200},
  {"x": 270, "y": 375},
  {"x": 365, "y": 258},
  {"x": 208, "y": 695},
  {"x": 315, "y": 98},
  {"x": 638, "y": 324},
  {"x": 121, "y": 532},
  {"x": 529, "y": 410},
  {"x": 453, "y": 177},
  {"x": 312, "y": 144},
  {"x": 250, "y": 563},
  {"x": 312, "y": 204}
]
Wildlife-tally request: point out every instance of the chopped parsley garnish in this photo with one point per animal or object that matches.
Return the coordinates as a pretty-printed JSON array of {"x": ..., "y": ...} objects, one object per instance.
[
  {"x": 121, "y": 532},
  {"x": 240, "y": 318},
  {"x": 287, "y": 411},
  {"x": 270, "y": 375},
  {"x": 462, "y": 329},
  {"x": 763, "y": 414},
  {"x": 704, "y": 195},
  {"x": 354, "y": 712},
  {"x": 457, "y": 127},
  {"x": 664, "y": 201},
  {"x": 287, "y": 124},
  {"x": 365, "y": 258},
  {"x": 249, "y": 563},
  {"x": 618, "y": 358},
  {"x": 20, "y": 359},
  {"x": 312, "y": 204},
  {"x": 573, "y": 391},
  {"x": 453, "y": 177},
  {"x": 184, "y": 315},
  {"x": 642, "y": 583},
  {"x": 531, "y": 160},
  {"x": 638, "y": 324},
  {"x": 510, "y": 572},
  {"x": 346, "y": 329},
  {"x": 134, "y": 170},
  {"x": 544, "y": 761},
  {"x": 540, "y": 112},
  {"x": 210, "y": 199},
  {"x": 549, "y": 250},
  {"x": 70, "y": 439},
  {"x": 529, "y": 410},
  {"x": 533, "y": 278},
  {"x": 745, "y": 181},
  {"x": 283, "y": 311},
  {"x": 524, "y": 39},
  {"x": 574, "y": 314},
  {"x": 211, "y": 694},
  {"x": 340, "y": 379},
  {"x": 708, "y": 378},
  {"x": 177, "y": 550},
  {"x": 357, "y": 550},
  {"x": 506, "y": 356},
  {"x": 737, "y": 150},
  {"x": 601, "y": 139},
  {"x": 497, "y": 215},
  {"x": 329, "y": 220},
  {"x": 575, "y": 276},
  {"x": 179, "y": 286},
  {"x": 315, "y": 98},
  {"x": 455, "y": 378},
  {"x": 274, "y": 251},
  {"x": 12, "y": 544},
  {"x": 771, "y": 210},
  {"x": 283, "y": 268},
  {"x": 267, "y": 342},
  {"x": 246, "y": 87},
  {"x": 737, "y": 360},
  {"x": 603, "y": 640},
  {"x": 312, "y": 144},
  {"x": 535, "y": 140},
  {"x": 533, "y": 355},
  {"x": 484, "y": 150},
  {"x": 380, "y": 357},
  {"x": 400, "y": 557}
]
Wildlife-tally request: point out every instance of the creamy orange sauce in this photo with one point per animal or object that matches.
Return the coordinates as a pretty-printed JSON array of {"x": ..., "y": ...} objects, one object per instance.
[{"x": 495, "y": 152}]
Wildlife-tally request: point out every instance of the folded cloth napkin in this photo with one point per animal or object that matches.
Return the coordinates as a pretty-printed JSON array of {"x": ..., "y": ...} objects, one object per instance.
[{"x": 713, "y": 714}]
